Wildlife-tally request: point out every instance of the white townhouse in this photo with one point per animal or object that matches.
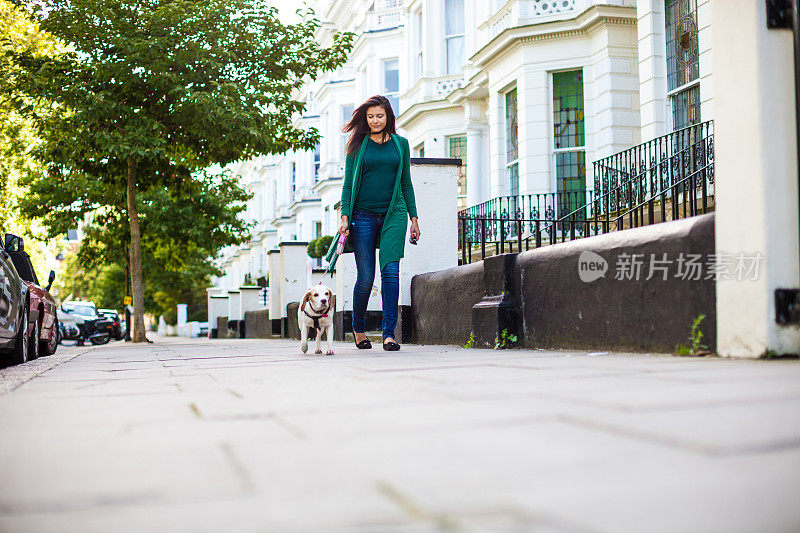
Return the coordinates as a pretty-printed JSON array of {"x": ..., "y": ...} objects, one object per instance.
[
  {"x": 296, "y": 194},
  {"x": 527, "y": 93},
  {"x": 259, "y": 176},
  {"x": 530, "y": 92}
]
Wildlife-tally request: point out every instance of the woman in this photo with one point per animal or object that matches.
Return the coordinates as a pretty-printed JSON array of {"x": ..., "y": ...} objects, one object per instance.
[{"x": 377, "y": 196}]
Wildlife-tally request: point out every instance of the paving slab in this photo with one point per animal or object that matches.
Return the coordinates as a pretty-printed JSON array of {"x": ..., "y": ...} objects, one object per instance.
[{"x": 246, "y": 435}]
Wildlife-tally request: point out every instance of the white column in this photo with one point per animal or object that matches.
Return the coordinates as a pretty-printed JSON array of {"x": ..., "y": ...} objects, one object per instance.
[
  {"x": 706, "y": 59},
  {"x": 217, "y": 307},
  {"x": 345, "y": 282},
  {"x": 249, "y": 299},
  {"x": 234, "y": 305},
  {"x": 755, "y": 176},
  {"x": 181, "y": 315},
  {"x": 435, "y": 193},
  {"x": 534, "y": 109},
  {"x": 477, "y": 147},
  {"x": 433, "y": 55},
  {"x": 652, "y": 68},
  {"x": 274, "y": 285},
  {"x": 497, "y": 148},
  {"x": 476, "y": 178},
  {"x": 293, "y": 279}
]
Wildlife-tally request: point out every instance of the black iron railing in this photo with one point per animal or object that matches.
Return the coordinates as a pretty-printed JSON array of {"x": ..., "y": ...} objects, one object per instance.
[{"x": 664, "y": 179}]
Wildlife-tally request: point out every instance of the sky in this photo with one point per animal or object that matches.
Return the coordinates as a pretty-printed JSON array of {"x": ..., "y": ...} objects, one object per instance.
[{"x": 287, "y": 9}]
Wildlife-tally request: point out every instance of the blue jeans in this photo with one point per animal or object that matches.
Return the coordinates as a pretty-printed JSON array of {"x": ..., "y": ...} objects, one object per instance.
[{"x": 365, "y": 227}]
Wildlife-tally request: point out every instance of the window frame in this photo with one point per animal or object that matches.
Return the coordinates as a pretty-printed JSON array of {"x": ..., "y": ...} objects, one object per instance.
[
  {"x": 512, "y": 165},
  {"x": 393, "y": 96},
  {"x": 577, "y": 149},
  {"x": 418, "y": 43},
  {"x": 448, "y": 37},
  {"x": 345, "y": 119},
  {"x": 681, "y": 71}
]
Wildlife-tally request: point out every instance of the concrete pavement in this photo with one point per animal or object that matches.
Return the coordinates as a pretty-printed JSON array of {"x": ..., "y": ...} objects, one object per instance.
[{"x": 251, "y": 436}]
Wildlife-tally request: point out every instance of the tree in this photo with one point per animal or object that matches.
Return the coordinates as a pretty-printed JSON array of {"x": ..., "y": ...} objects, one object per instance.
[
  {"x": 17, "y": 33},
  {"x": 181, "y": 233},
  {"x": 152, "y": 90}
]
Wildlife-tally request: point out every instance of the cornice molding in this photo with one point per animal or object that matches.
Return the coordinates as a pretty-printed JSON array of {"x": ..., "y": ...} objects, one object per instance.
[
  {"x": 421, "y": 109},
  {"x": 582, "y": 24}
]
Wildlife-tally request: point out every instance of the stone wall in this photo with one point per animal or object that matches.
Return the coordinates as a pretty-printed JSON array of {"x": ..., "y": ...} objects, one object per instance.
[
  {"x": 258, "y": 324},
  {"x": 560, "y": 310},
  {"x": 540, "y": 296},
  {"x": 441, "y": 304}
]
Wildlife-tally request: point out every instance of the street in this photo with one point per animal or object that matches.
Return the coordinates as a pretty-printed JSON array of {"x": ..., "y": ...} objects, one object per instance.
[{"x": 203, "y": 435}]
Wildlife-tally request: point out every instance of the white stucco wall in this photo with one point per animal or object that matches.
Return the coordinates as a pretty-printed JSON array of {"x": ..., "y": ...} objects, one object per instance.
[{"x": 756, "y": 176}]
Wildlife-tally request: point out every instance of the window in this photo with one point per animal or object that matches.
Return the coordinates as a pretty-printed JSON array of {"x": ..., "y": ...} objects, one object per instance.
[
  {"x": 683, "y": 65},
  {"x": 569, "y": 140},
  {"x": 347, "y": 114},
  {"x": 316, "y": 161},
  {"x": 420, "y": 149},
  {"x": 512, "y": 142},
  {"x": 458, "y": 149},
  {"x": 418, "y": 70},
  {"x": 391, "y": 83},
  {"x": 454, "y": 35},
  {"x": 294, "y": 179}
]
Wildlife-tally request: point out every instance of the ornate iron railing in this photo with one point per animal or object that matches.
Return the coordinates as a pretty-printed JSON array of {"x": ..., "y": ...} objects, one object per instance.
[
  {"x": 650, "y": 171},
  {"x": 664, "y": 179}
]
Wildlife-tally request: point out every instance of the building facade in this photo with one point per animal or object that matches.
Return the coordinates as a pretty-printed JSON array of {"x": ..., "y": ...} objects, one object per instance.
[{"x": 527, "y": 93}]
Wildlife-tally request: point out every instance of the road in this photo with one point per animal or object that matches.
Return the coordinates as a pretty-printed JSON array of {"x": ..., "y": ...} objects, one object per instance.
[{"x": 251, "y": 436}]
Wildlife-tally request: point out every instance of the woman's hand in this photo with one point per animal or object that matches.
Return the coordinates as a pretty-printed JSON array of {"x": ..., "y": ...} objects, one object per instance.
[
  {"x": 415, "y": 233},
  {"x": 344, "y": 225}
]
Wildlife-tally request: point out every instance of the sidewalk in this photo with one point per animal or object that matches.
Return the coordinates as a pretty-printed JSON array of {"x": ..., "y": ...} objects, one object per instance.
[{"x": 251, "y": 436}]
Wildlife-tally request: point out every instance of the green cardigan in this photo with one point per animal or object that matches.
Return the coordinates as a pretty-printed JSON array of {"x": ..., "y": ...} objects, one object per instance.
[{"x": 392, "y": 238}]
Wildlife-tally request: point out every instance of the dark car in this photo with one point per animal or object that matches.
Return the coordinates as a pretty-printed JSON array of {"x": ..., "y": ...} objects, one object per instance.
[
  {"x": 14, "y": 304},
  {"x": 116, "y": 331},
  {"x": 42, "y": 317},
  {"x": 93, "y": 326}
]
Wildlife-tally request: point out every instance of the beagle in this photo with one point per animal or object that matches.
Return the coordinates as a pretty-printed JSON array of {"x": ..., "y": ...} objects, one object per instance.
[{"x": 316, "y": 311}]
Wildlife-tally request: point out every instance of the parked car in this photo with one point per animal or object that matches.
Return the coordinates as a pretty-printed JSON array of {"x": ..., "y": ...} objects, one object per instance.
[
  {"x": 68, "y": 325},
  {"x": 42, "y": 307},
  {"x": 14, "y": 304},
  {"x": 92, "y": 326},
  {"x": 116, "y": 331}
]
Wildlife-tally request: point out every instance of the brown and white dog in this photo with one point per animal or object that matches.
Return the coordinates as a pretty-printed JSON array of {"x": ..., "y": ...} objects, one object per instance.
[{"x": 316, "y": 311}]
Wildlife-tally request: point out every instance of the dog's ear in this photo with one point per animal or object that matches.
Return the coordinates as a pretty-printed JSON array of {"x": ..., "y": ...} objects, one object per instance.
[
  {"x": 306, "y": 298},
  {"x": 333, "y": 301}
]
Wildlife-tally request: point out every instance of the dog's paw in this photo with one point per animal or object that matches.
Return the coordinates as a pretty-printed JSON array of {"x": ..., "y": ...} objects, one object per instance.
[
  {"x": 317, "y": 352},
  {"x": 304, "y": 347}
]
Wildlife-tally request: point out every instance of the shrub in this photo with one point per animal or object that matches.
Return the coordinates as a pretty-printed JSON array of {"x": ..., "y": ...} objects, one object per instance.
[
  {"x": 311, "y": 249},
  {"x": 323, "y": 243}
]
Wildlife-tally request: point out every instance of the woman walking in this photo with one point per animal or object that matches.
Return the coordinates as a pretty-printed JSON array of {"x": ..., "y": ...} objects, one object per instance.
[{"x": 377, "y": 198}]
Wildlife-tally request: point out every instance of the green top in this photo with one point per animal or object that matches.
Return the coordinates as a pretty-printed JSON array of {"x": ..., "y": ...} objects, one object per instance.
[
  {"x": 392, "y": 238},
  {"x": 377, "y": 177}
]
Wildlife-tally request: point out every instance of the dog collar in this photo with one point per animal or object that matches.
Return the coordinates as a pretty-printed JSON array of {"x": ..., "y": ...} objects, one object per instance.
[{"x": 316, "y": 318}]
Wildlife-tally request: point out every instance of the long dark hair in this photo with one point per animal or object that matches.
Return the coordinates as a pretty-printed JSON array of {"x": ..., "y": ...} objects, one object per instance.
[{"x": 358, "y": 123}]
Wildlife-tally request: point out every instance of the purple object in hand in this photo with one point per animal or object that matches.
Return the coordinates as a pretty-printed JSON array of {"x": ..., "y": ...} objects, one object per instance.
[{"x": 342, "y": 240}]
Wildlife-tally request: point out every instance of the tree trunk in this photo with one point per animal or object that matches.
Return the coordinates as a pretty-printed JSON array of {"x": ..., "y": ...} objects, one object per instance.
[{"x": 135, "y": 257}]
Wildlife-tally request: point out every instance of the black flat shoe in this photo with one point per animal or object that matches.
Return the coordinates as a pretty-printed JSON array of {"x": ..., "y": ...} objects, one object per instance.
[
  {"x": 391, "y": 346},
  {"x": 363, "y": 345}
]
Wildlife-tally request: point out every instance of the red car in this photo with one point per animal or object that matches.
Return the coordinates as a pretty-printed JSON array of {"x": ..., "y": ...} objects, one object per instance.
[{"x": 43, "y": 323}]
